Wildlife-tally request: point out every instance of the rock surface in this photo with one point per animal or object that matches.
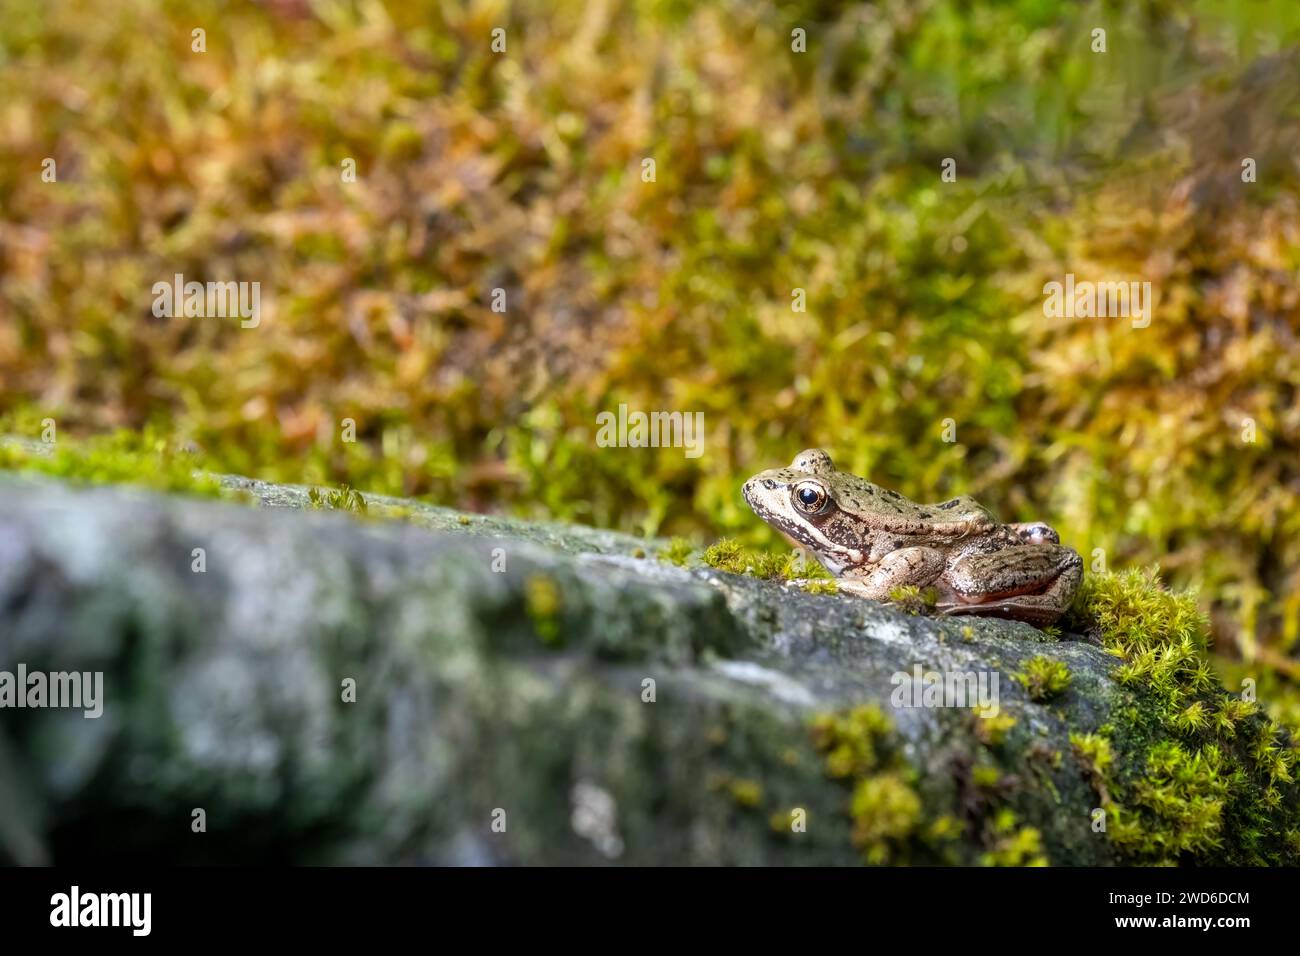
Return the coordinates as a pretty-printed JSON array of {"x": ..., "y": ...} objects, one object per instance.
[{"x": 501, "y": 679}]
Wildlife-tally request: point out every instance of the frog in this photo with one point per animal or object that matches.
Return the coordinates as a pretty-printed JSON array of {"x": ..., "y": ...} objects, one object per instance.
[{"x": 873, "y": 540}]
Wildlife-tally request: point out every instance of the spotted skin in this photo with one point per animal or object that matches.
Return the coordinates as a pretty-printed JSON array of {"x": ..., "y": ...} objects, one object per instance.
[{"x": 875, "y": 540}]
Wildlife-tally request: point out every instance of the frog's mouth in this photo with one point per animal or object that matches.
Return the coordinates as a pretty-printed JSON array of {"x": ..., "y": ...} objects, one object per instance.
[
  {"x": 770, "y": 500},
  {"x": 763, "y": 495}
]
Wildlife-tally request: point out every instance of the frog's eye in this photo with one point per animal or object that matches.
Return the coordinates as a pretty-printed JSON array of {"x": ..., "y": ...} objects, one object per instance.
[{"x": 809, "y": 497}]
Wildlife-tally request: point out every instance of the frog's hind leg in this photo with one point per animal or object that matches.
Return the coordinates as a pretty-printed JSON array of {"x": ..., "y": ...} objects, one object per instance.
[{"x": 1033, "y": 583}]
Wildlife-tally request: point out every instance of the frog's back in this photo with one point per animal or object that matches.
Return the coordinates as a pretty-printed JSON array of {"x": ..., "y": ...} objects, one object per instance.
[
  {"x": 956, "y": 516},
  {"x": 962, "y": 510}
]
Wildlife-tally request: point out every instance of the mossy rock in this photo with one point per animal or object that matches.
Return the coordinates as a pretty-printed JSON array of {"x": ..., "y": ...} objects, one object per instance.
[{"x": 601, "y": 704}]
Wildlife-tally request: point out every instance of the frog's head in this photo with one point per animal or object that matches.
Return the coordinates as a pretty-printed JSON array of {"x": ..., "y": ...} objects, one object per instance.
[{"x": 797, "y": 500}]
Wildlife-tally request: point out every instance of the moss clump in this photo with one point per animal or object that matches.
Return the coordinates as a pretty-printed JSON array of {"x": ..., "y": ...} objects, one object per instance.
[
  {"x": 992, "y": 729},
  {"x": 1160, "y": 635},
  {"x": 731, "y": 556},
  {"x": 822, "y": 587},
  {"x": 1013, "y": 845},
  {"x": 886, "y": 810},
  {"x": 1187, "y": 792},
  {"x": 1044, "y": 678},
  {"x": 123, "y": 457},
  {"x": 853, "y": 743},
  {"x": 943, "y": 830},
  {"x": 912, "y": 599},
  {"x": 1173, "y": 807},
  {"x": 986, "y": 777},
  {"x": 1202, "y": 772},
  {"x": 895, "y": 821},
  {"x": 1231, "y": 712},
  {"x": 543, "y": 603},
  {"x": 746, "y": 793},
  {"x": 1094, "y": 752},
  {"x": 678, "y": 552},
  {"x": 337, "y": 499},
  {"x": 784, "y": 821},
  {"x": 1185, "y": 772}
]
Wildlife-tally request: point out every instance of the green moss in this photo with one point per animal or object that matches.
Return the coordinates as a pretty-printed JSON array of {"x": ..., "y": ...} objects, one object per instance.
[
  {"x": 943, "y": 830},
  {"x": 732, "y": 556},
  {"x": 913, "y": 599},
  {"x": 783, "y": 821},
  {"x": 401, "y": 142},
  {"x": 822, "y": 587},
  {"x": 746, "y": 793},
  {"x": 805, "y": 569},
  {"x": 1231, "y": 712},
  {"x": 858, "y": 746},
  {"x": 992, "y": 730},
  {"x": 886, "y": 812},
  {"x": 678, "y": 552},
  {"x": 1187, "y": 771},
  {"x": 852, "y": 742},
  {"x": 121, "y": 458},
  {"x": 1160, "y": 635},
  {"x": 986, "y": 777},
  {"x": 543, "y": 603},
  {"x": 895, "y": 821},
  {"x": 337, "y": 499},
  {"x": 1172, "y": 807},
  {"x": 1184, "y": 771},
  {"x": 1095, "y": 753},
  {"x": 728, "y": 555},
  {"x": 1044, "y": 678},
  {"x": 1013, "y": 845}
]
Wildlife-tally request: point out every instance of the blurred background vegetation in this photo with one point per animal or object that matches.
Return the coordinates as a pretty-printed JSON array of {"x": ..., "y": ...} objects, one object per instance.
[{"x": 775, "y": 170}]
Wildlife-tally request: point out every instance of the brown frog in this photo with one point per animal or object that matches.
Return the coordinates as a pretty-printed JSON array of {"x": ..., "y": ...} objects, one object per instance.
[{"x": 874, "y": 540}]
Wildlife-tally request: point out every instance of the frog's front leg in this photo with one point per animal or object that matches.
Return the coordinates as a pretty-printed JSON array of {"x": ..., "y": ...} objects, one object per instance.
[
  {"x": 1034, "y": 583},
  {"x": 918, "y": 566}
]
